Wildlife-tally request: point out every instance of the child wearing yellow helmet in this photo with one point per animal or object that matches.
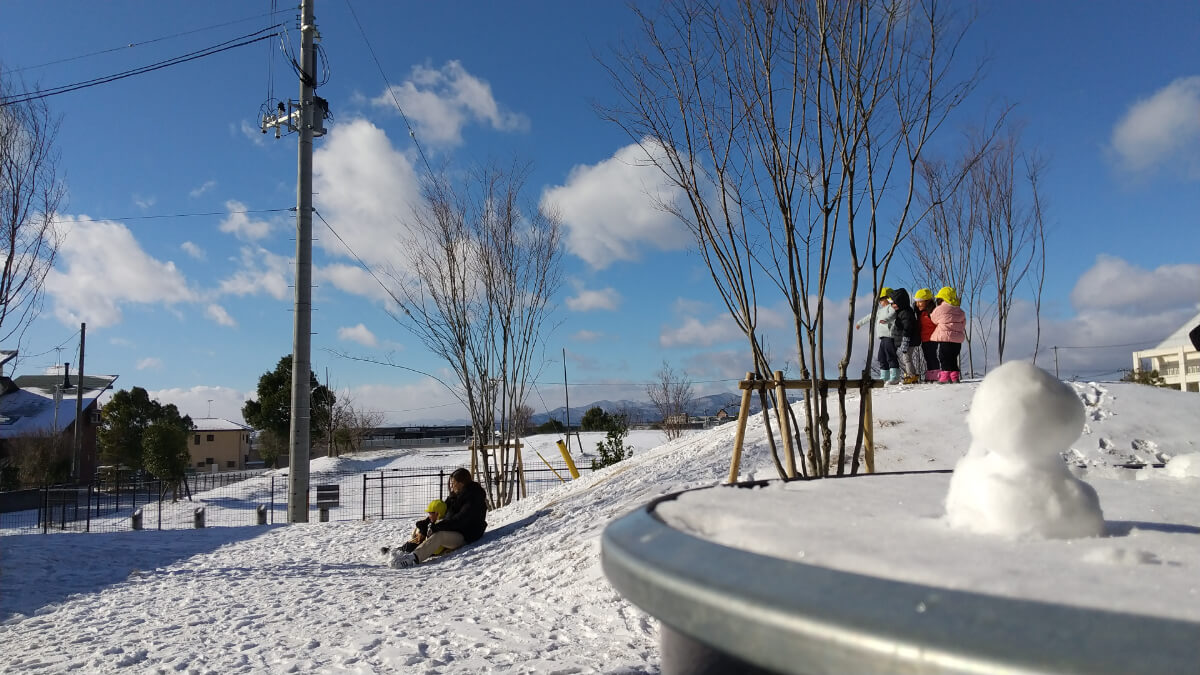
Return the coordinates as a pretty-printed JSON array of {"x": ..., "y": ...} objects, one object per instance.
[
  {"x": 434, "y": 512},
  {"x": 949, "y": 332},
  {"x": 906, "y": 334},
  {"x": 923, "y": 303},
  {"x": 885, "y": 316}
]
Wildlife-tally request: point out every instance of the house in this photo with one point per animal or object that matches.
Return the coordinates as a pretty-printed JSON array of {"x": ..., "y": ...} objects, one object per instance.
[
  {"x": 1175, "y": 359},
  {"x": 36, "y": 404},
  {"x": 218, "y": 445}
]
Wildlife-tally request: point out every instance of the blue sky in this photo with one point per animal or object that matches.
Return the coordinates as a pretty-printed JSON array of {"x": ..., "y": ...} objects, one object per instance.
[{"x": 195, "y": 308}]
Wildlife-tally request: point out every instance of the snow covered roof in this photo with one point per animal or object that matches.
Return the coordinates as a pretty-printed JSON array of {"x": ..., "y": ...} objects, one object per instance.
[
  {"x": 30, "y": 408},
  {"x": 1180, "y": 337},
  {"x": 217, "y": 424}
]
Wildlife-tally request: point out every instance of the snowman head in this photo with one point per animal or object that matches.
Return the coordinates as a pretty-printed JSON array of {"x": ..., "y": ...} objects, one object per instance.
[{"x": 1024, "y": 413}]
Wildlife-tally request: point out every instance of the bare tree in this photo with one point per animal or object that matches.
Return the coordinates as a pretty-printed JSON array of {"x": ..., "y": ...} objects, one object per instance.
[
  {"x": 31, "y": 192},
  {"x": 522, "y": 420},
  {"x": 671, "y": 395},
  {"x": 485, "y": 264},
  {"x": 792, "y": 132},
  {"x": 349, "y": 425}
]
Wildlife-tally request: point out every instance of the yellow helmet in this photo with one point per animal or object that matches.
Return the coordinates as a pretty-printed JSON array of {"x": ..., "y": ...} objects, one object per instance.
[
  {"x": 947, "y": 294},
  {"x": 923, "y": 294},
  {"x": 885, "y": 292},
  {"x": 437, "y": 506}
]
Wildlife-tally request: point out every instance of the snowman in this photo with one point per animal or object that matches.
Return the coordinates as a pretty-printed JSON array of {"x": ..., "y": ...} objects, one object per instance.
[{"x": 1012, "y": 481}]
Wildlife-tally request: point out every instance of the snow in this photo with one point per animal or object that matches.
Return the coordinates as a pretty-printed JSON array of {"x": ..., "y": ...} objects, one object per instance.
[
  {"x": 530, "y": 596},
  {"x": 1013, "y": 481}
]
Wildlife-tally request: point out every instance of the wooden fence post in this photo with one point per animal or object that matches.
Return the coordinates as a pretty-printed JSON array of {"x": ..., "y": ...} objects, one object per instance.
[
  {"x": 868, "y": 431},
  {"x": 785, "y": 425},
  {"x": 743, "y": 413}
]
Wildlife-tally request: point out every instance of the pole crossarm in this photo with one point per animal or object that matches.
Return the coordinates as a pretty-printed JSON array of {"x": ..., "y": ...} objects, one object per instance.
[{"x": 780, "y": 386}]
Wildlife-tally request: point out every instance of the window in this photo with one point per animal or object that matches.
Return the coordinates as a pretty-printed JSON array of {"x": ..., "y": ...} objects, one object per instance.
[
  {"x": 210, "y": 438},
  {"x": 199, "y": 465},
  {"x": 209, "y": 460},
  {"x": 231, "y": 464},
  {"x": 196, "y": 439}
]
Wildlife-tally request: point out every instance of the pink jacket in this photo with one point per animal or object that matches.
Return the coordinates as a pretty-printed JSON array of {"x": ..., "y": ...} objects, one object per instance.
[{"x": 951, "y": 323}]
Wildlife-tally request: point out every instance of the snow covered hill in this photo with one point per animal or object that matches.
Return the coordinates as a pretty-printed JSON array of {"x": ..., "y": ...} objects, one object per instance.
[{"x": 530, "y": 596}]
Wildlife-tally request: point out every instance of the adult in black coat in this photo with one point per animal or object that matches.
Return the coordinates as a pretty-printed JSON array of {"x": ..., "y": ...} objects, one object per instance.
[
  {"x": 465, "y": 521},
  {"x": 466, "y": 508}
]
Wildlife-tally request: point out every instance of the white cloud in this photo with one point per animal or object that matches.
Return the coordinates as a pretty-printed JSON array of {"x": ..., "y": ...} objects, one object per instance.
[
  {"x": 144, "y": 203},
  {"x": 359, "y": 333},
  {"x": 587, "y": 336},
  {"x": 208, "y": 185},
  {"x": 441, "y": 101},
  {"x": 192, "y": 250},
  {"x": 587, "y": 300},
  {"x": 102, "y": 267},
  {"x": 217, "y": 313},
  {"x": 150, "y": 362},
  {"x": 366, "y": 189},
  {"x": 224, "y": 402},
  {"x": 693, "y": 332},
  {"x": 255, "y": 134},
  {"x": 1113, "y": 283},
  {"x": 611, "y": 209},
  {"x": 262, "y": 272},
  {"x": 240, "y": 225},
  {"x": 352, "y": 279},
  {"x": 1161, "y": 128}
]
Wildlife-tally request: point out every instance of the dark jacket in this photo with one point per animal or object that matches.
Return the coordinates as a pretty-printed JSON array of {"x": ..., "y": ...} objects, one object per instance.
[
  {"x": 906, "y": 325},
  {"x": 466, "y": 513}
]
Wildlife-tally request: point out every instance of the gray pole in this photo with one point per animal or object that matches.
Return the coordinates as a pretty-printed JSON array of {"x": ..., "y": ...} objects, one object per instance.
[
  {"x": 77, "y": 446},
  {"x": 302, "y": 326}
]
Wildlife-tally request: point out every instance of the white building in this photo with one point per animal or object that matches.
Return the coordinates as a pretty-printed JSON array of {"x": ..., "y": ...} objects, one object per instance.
[{"x": 1175, "y": 359}]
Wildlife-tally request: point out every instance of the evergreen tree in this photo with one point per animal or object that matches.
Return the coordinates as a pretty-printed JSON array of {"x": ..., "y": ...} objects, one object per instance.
[
  {"x": 272, "y": 410},
  {"x": 126, "y": 417},
  {"x": 613, "y": 449}
]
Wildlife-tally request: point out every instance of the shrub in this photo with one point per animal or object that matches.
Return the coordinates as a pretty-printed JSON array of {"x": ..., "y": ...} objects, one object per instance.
[{"x": 613, "y": 449}]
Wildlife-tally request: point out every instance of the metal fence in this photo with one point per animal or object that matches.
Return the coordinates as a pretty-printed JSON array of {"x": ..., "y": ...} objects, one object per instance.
[{"x": 236, "y": 499}]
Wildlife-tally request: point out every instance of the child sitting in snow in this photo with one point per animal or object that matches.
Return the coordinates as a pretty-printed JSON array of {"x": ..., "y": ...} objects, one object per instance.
[
  {"x": 949, "y": 333},
  {"x": 435, "y": 511},
  {"x": 464, "y": 522}
]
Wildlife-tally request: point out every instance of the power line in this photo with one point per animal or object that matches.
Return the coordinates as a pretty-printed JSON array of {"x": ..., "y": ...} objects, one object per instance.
[
  {"x": 247, "y": 39},
  {"x": 411, "y": 132},
  {"x": 361, "y": 262},
  {"x": 57, "y": 346},
  {"x": 131, "y": 45},
  {"x": 192, "y": 215}
]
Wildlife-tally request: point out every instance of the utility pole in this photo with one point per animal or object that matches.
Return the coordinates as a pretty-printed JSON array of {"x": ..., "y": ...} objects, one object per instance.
[
  {"x": 77, "y": 446},
  {"x": 306, "y": 118}
]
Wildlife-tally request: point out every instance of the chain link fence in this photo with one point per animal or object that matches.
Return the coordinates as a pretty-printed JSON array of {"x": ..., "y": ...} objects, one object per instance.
[{"x": 236, "y": 499}]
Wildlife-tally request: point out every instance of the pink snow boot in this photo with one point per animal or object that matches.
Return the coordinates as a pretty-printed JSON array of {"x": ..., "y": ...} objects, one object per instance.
[
  {"x": 932, "y": 375},
  {"x": 943, "y": 377},
  {"x": 955, "y": 376}
]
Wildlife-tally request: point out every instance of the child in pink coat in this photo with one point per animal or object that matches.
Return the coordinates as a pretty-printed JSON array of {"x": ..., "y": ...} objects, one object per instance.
[{"x": 950, "y": 329}]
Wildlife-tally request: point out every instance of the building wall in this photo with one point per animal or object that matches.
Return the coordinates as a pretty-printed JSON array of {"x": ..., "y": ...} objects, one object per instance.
[
  {"x": 227, "y": 449},
  {"x": 1167, "y": 363}
]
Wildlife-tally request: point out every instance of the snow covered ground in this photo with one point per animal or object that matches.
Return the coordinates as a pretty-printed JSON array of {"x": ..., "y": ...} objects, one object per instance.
[{"x": 530, "y": 596}]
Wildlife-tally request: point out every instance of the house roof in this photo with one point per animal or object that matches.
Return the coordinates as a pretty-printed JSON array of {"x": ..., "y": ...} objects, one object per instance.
[
  {"x": 31, "y": 408},
  {"x": 1180, "y": 337},
  {"x": 216, "y": 424}
]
